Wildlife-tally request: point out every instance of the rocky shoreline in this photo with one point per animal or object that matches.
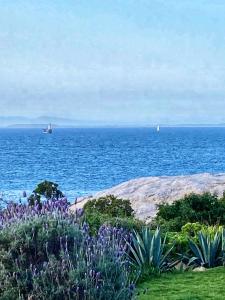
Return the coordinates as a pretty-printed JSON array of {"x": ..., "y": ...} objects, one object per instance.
[{"x": 145, "y": 193}]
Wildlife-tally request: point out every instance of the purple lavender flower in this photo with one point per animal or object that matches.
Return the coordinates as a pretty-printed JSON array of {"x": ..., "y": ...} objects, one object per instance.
[
  {"x": 80, "y": 212},
  {"x": 85, "y": 227},
  {"x": 15, "y": 212}
]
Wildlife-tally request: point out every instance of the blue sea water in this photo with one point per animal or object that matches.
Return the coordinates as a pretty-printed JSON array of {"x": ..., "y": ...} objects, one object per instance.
[{"x": 87, "y": 160}]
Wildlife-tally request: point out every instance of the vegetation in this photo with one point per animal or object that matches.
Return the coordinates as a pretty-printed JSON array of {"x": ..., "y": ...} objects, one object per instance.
[
  {"x": 99, "y": 252},
  {"x": 206, "y": 209},
  {"x": 96, "y": 220},
  {"x": 111, "y": 206},
  {"x": 148, "y": 253},
  {"x": 181, "y": 239},
  {"x": 185, "y": 286},
  {"x": 110, "y": 211},
  {"x": 46, "y": 253},
  {"x": 208, "y": 251},
  {"x": 48, "y": 189}
]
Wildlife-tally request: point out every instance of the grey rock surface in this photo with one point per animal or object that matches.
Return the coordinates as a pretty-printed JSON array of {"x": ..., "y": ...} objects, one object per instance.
[{"x": 145, "y": 193}]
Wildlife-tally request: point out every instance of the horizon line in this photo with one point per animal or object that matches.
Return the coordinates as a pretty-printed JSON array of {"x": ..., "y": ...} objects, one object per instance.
[{"x": 38, "y": 126}]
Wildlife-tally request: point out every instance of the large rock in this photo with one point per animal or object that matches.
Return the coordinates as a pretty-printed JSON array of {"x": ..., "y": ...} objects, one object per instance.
[{"x": 145, "y": 193}]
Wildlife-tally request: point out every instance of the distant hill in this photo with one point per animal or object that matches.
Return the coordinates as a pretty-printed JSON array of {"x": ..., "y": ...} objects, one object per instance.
[
  {"x": 30, "y": 126},
  {"x": 40, "y": 122}
]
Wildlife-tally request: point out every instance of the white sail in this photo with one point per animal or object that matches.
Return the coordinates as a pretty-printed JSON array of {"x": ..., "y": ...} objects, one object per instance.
[
  {"x": 158, "y": 128},
  {"x": 48, "y": 129}
]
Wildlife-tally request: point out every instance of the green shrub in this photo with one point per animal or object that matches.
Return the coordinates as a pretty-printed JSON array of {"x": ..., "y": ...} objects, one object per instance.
[
  {"x": 96, "y": 220},
  {"x": 179, "y": 241},
  {"x": 111, "y": 206},
  {"x": 111, "y": 211},
  {"x": 192, "y": 229},
  {"x": 129, "y": 224},
  {"x": 206, "y": 209}
]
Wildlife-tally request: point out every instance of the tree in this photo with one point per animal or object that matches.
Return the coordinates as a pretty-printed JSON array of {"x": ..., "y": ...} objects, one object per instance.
[{"x": 48, "y": 189}]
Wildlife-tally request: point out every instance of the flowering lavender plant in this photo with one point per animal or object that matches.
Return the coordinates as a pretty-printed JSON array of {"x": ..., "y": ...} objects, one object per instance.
[{"x": 48, "y": 253}]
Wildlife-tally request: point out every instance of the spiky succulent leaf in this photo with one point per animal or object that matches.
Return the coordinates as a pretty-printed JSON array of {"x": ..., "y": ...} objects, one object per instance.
[
  {"x": 207, "y": 251},
  {"x": 147, "y": 249}
]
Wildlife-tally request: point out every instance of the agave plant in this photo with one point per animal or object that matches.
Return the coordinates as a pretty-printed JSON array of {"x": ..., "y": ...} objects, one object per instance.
[
  {"x": 223, "y": 246},
  {"x": 147, "y": 250},
  {"x": 208, "y": 250}
]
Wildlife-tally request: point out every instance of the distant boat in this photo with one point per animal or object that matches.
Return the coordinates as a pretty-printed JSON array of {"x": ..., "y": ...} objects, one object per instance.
[
  {"x": 48, "y": 129},
  {"x": 158, "y": 128}
]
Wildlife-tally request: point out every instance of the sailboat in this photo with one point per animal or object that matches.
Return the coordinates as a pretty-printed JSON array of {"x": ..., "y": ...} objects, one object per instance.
[
  {"x": 48, "y": 129},
  {"x": 158, "y": 128}
]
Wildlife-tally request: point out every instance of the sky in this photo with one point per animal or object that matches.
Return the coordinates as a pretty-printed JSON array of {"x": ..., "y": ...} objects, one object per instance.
[{"x": 115, "y": 61}]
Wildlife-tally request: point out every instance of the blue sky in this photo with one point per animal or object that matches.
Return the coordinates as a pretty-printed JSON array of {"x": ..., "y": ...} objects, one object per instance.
[{"x": 114, "y": 61}]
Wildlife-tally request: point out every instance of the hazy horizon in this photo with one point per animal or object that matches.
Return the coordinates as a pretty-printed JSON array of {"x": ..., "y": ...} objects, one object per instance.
[
  {"x": 23, "y": 122},
  {"x": 133, "y": 62}
]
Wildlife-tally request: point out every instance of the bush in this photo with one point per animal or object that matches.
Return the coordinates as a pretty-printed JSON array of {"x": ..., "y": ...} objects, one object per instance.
[
  {"x": 96, "y": 220},
  {"x": 110, "y": 211},
  {"x": 111, "y": 206},
  {"x": 45, "y": 253},
  {"x": 180, "y": 242},
  {"x": 192, "y": 229},
  {"x": 206, "y": 209}
]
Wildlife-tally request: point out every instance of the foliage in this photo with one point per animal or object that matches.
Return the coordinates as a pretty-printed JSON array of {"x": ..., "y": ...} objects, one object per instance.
[
  {"x": 96, "y": 220},
  {"x": 46, "y": 253},
  {"x": 181, "y": 239},
  {"x": 191, "y": 229},
  {"x": 48, "y": 189},
  {"x": 129, "y": 224},
  {"x": 207, "y": 252},
  {"x": 109, "y": 205},
  {"x": 148, "y": 252},
  {"x": 110, "y": 211},
  {"x": 206, "y": 209}
]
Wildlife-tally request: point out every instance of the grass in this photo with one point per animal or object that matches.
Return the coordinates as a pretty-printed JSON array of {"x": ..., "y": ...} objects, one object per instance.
[{"x": 185, "y": 286}]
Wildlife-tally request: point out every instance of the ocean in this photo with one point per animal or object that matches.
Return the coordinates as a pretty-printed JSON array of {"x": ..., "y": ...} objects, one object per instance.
[{"x": 83, "y": 161}]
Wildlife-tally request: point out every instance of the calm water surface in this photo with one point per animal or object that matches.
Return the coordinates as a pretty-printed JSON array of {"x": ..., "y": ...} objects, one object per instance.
[{"x": 86, "y": 160}]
